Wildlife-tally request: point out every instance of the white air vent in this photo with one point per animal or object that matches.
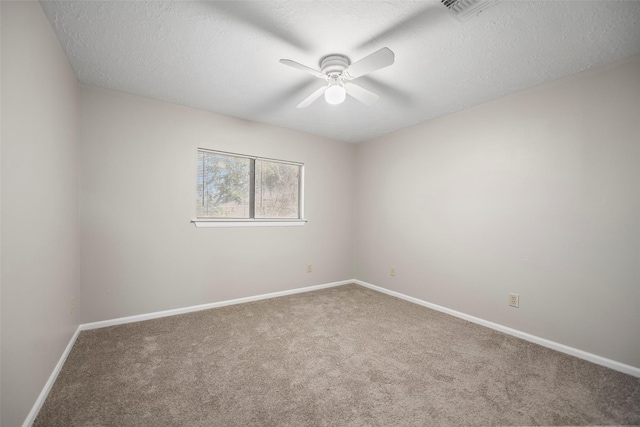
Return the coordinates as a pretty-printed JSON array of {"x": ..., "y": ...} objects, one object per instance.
[{"x": 466, "y": 9}]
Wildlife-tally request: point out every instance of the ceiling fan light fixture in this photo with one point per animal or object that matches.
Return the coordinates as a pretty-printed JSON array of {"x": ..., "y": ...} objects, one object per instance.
[
  {"x": 338, "y": 71},
  {"x": 335, "y": 94}
]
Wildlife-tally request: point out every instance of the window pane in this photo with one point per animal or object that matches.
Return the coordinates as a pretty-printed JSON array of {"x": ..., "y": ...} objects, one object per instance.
[
  {"x": 223, "y": 186},
  {"x": 277, "y": 189}
]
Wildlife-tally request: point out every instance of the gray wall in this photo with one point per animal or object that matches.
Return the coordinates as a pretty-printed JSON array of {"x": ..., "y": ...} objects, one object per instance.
[
  {"x": 537, "y": 193},
  {"x": 40, "y": 225},
  {"x": 141, "y": 254}
]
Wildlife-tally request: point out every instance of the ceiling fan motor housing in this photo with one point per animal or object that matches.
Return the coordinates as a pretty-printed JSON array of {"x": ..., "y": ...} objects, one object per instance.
[
  {"x": 334, "y": 64},
  {"x": 337, "y": 70}
]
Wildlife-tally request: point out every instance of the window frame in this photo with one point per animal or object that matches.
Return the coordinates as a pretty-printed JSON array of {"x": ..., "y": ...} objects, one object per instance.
[{"x": 252, "y": 221}]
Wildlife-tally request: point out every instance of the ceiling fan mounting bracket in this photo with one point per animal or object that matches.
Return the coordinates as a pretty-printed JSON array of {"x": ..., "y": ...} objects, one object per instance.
[{"x": 334, "y": 64}]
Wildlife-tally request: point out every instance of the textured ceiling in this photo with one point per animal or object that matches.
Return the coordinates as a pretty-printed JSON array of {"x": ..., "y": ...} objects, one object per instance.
[{"x": 223, "y": 56}]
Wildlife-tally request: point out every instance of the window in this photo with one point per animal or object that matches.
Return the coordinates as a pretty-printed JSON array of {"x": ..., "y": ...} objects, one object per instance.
[{"x": 246, "y": 188}]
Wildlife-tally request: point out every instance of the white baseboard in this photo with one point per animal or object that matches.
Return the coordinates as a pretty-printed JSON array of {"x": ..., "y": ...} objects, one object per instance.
[
  {"x": 119, "y": 321},
  {"x": 173, "y": 312},
  {"x": 612, "y": 364},
  {"x": 52, "y": 378},
  {"x": 621, "y": 367}
]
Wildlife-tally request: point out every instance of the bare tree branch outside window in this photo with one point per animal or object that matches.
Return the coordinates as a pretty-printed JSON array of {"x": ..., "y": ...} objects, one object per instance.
[{"x": 225, "y": 183}]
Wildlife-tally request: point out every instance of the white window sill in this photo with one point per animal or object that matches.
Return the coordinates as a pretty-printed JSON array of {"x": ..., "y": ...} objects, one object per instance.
[{"x": 209, "y": 223}]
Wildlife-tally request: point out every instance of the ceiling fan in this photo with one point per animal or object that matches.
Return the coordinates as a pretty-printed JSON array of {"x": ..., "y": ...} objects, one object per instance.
[{"x": 338, "y": 71}]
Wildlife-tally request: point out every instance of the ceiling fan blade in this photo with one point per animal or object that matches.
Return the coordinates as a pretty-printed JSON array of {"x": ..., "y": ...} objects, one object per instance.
[
  {"x": 361, "y": 94},
  {"x": 315, "y": 95},
  {"x": 377, "y": 60},
  {"x": 386, "y": 90},
  {"x": 301, "y": 67}
]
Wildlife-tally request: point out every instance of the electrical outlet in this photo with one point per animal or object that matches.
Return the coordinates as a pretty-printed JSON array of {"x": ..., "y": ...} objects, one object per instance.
[
  {"x": 514, "y": 300},
  {"x": 309, "y": 268},
  {"x": 72, "y": 305},
  {"x": 393, "y": 271}
]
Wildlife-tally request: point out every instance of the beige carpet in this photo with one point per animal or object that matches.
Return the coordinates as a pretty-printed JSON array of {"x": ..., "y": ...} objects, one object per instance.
[{"x": 345, "y": 356}]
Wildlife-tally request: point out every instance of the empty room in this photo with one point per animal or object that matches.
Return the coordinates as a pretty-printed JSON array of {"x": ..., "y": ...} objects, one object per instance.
[{"x": 320, "y": 213}]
